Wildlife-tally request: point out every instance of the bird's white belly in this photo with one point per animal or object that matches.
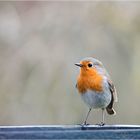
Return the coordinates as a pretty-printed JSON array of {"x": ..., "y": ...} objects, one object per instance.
[{"x": 97, "y": 100}]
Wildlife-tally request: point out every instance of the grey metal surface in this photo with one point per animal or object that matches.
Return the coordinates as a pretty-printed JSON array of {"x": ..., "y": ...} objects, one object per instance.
[{"x": 70, "y": 132}]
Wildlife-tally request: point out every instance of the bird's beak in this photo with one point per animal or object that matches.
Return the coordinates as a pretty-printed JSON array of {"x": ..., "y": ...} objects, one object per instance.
[{"x": 78, "y": 64}]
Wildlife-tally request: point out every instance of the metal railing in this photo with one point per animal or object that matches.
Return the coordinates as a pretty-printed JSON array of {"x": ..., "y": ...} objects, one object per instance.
[{"x": 70, "y": 132}]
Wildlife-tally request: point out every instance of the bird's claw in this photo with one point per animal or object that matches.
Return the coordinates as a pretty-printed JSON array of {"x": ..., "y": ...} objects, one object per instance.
[
  {"x": 84, "y": 124},
  {"x": 101, "y": 124}
]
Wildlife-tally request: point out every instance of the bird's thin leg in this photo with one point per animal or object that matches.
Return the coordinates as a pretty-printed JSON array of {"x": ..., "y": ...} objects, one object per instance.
[
  {"x": 85, "y": 122},
  {"x": 103, "y": 117}
]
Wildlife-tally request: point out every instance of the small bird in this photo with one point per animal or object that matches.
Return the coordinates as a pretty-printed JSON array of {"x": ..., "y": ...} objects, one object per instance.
[{"x": 95, "y": 86}]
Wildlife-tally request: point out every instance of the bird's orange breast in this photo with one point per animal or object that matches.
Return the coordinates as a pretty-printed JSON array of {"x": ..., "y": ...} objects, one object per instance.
[{"x": 89, "y": 80}]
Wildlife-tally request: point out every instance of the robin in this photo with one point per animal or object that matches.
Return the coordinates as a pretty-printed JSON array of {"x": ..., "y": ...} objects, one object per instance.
[{"x": 95, "y": 87}]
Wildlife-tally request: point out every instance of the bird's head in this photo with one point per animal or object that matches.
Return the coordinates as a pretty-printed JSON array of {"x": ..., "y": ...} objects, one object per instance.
[{"x": 89, "y": 66}]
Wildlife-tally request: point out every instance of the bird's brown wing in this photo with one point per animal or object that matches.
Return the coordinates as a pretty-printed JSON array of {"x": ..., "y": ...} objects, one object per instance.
[
  {"x": 113, "y": 90},
  {"x": 109, "y": 108}
]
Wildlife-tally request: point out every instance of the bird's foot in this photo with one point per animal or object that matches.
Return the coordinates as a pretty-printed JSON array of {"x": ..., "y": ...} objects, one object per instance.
[
  {"x": 84, "y": 124},
  {"x": 101, "y": 124}
]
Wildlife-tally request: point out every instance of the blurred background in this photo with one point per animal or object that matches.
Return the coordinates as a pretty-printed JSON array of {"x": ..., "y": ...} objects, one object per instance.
[{"x": 41, "y": 41}]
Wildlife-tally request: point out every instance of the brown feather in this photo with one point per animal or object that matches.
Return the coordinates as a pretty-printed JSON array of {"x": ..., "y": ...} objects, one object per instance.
[{"x": 109, "y": 108}]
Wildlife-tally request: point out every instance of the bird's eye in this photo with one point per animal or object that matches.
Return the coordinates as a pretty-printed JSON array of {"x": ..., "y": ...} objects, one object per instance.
[{"x": 89, "y": 65}]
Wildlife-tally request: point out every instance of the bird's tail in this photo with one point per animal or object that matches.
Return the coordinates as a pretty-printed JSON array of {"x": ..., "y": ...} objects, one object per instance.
[{"x": 110, "y": 111}]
